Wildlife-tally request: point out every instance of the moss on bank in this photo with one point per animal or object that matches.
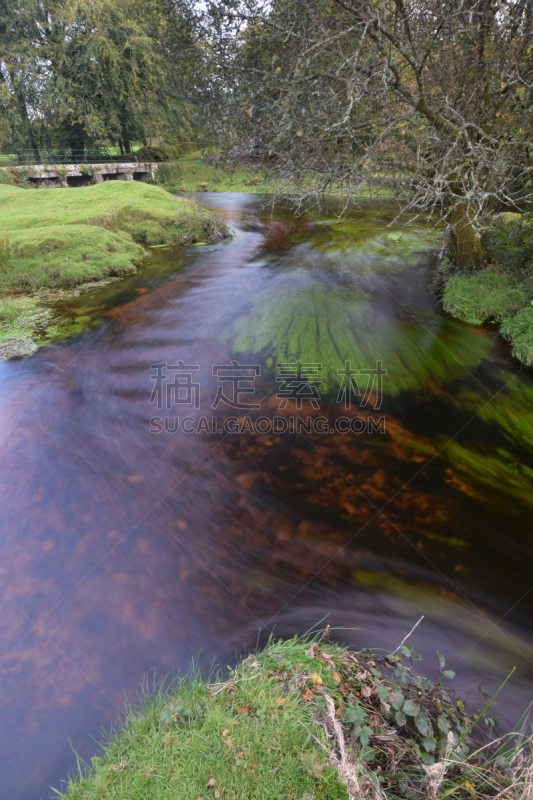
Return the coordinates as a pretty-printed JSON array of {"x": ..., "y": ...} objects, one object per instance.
[
  {"x": 487, "y": 294},
  {"x": 305, "y": 719},
  {"x": 51, "y": 239},
  {"x": 501, "y": 292}
]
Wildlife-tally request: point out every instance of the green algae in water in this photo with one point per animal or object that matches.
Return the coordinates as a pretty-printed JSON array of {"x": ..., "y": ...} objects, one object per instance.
[
  {"x": 334, "y": 305},
  {"x": 385, "y": 248},
  {"x": 323, "y": 322}
]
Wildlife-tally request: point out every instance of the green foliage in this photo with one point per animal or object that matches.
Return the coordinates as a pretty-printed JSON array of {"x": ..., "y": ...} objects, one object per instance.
[
  {"x": 7, "y": 178},
  {"x": 152, "y": 154},
  {"x": 519, "y": 331},
  {"x": 509, "y": 240},
  {"x": 482, "y": 295},
  {"x": 14, "y": 177},
  {"x": 504, "y": 293},
  {"x": 170, "y": 176},
  {"x": 110, "y": 72}
]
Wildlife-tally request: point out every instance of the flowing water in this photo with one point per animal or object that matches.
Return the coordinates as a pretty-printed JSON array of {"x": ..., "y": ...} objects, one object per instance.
[{"x": 128, "y": 545}]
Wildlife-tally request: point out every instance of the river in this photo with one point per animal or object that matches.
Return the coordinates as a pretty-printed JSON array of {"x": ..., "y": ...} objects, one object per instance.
[{"x": 131, "y": 546}]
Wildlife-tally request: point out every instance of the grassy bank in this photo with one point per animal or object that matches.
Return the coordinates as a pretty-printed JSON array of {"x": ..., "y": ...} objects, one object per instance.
[
  {"x": 301, "y": 720},
  {"x": 191, "y": 173},
  {"x": 502, "y": 292},
  {"x": 53, "y": 239}
]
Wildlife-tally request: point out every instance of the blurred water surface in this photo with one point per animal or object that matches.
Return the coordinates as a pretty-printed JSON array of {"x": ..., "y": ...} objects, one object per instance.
[{"x": 124, "y": 551}]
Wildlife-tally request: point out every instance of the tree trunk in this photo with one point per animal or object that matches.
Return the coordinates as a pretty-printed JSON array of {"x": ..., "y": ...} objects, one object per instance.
[
  {"x": 466, "y": 247},
  {"x": 23, "y": 111}
]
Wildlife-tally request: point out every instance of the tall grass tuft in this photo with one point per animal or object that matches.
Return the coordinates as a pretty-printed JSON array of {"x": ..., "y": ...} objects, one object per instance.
[{"x": 5, "y": 251}]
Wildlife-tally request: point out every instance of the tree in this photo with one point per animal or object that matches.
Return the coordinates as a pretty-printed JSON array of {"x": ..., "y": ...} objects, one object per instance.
[
  {"x": 431, "y": 99},
  {"x": 20, "y": 70},
  {"x": 80, "y": 73}
]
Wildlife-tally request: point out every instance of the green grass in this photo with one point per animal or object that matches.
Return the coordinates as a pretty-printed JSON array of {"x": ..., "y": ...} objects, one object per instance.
[
  {"x": 502, "y": 291},
  {"x": 304, "y": 719},
  {"x": 518, "y": 330},
  {"x": 59, "y": 238},
  {"x": 248, "y": 735},
  {"x": 191, "y": 174},
  {"x": 487, "y": 294}
]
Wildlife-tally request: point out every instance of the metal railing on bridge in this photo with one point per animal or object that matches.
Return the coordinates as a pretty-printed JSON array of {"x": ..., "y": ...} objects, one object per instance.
[{"x": 41, "y": 155}]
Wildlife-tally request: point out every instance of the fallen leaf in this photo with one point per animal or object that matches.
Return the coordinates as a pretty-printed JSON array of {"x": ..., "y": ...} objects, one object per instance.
[
  {"x": 243, "y": 709},
  {"x": 307, "y": 695},
  {"x": 210, "y": 782},
  {"x": 218, "y": 794},
  {"x": 281, "y": 700},
  {"x": 311, "y": 652},
  {"x": 315, "y": 678},
  {"x": 366, "y": 692},
  {"x": 328, "y": 660},
  {"x": 225, "y": 732},
  {"x": 337, "y": 676}
]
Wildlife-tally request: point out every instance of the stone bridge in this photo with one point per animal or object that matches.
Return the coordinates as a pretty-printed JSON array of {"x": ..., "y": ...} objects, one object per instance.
[{"x": 58, "y": 175}]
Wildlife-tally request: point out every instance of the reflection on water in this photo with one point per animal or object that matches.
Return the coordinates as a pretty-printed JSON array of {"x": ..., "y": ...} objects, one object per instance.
[{"x": 123, "y": 550}]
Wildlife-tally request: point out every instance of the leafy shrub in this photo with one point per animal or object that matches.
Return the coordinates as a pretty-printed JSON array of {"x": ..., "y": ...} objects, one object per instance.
[
  {"x": 152, "y": 154},
  {"x": 15, "y": 177},
  {"x": 486, "y": 294},
  {"x": 170, "y": 176},
  {"x": 509, "y": 240},
  {"x": 519, "y": 331},
  {"x": 7, "y": 177}
]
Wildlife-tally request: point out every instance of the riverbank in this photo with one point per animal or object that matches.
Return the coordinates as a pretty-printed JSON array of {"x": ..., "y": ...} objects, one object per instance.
[
  {"x": 220, "y": 173},
  {"x": 501, "y": 292},
  {"x": 306, "y": 719},
  {"x": 192, "y": 173},
  {"x": 60, "y": 239}
]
